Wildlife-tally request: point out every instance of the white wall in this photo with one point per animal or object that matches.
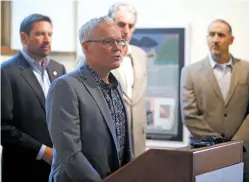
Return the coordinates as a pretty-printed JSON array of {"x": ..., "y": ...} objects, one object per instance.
[{"x": 62, "y": 14}]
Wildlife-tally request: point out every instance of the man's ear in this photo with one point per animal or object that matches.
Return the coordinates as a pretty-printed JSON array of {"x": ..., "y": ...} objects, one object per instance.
[
  {"x": 85, "y": 46},
  {"x": 231, "y": 40},
  {"x": 24, "y": 37}
]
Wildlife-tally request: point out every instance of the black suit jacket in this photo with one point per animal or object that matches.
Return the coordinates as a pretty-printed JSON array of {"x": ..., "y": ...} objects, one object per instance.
[{"x": 23, "y": 120}]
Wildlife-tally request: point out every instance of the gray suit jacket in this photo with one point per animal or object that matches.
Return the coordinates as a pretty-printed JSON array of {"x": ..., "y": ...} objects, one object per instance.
[{"x": 81, "y": 129}]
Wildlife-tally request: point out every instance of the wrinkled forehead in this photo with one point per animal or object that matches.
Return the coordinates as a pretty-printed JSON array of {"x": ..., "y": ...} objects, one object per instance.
[
  {"x": 105, "y": 30},
  {"x": 125, "y": 16},
  {"x": 41, "y": 25},
  {"x": 218, "y": 26}
]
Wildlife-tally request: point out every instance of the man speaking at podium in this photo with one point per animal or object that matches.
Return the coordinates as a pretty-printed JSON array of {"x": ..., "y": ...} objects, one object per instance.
[{"x": 86, "y": 114}]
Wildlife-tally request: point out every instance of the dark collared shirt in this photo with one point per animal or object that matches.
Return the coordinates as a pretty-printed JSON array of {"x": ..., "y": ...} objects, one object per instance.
[{"x": 116, "y": 108}]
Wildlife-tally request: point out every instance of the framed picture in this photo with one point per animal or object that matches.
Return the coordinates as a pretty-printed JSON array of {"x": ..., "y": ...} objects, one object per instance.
[{"x": 166, "y": 51}]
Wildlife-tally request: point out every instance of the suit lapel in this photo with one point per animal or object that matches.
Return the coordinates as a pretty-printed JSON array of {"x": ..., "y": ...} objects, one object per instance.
[
  {"x": 91, "y": 85},
  {"x": 28, "y": 75},
  {"x": 136, "y": 90},
  {"x": 211, "y": 78},
  {"x": 52, "y": 73},
  {"x": 234, "y": 81},
  {"x": 118, "y": 76}
]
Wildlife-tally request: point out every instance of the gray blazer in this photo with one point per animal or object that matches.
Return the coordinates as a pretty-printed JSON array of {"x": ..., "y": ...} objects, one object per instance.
[{"x": 80, "y": 125}]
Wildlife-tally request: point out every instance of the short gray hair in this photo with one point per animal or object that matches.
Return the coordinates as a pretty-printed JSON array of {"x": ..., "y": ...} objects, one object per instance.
[
  {"x": 115, "y": 7},
  {"x": 86, "y": 29}
]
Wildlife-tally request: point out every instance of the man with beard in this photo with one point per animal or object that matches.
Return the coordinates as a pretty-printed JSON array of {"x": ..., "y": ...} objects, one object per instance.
[
  {"x": 215, "y": 92},
  {"x": 25, "y": 79},
  {"x": 132, "y": 74}
]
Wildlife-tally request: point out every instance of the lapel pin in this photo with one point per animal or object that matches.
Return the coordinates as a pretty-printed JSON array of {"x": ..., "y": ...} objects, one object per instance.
[{"x": 55, "y": 73}]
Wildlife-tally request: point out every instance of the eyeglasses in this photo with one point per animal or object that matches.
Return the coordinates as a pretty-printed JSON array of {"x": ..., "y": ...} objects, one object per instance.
[{"x": 110, "y": 42}]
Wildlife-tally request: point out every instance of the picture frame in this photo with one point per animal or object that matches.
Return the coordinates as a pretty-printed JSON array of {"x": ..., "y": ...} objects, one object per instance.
[{"x": 166, "y": 51}]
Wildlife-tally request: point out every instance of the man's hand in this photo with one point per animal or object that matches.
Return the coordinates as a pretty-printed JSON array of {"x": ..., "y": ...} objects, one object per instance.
[{"x": 48, "y": 155}]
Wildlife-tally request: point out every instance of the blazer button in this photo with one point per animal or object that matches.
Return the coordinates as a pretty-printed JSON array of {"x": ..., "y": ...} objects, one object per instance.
[{"x": 225, "y": 115}]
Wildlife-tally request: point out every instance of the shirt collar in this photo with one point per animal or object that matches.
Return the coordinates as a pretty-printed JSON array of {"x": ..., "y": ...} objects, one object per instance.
[
  {"x": 128, "y": 55},
  {"x": 33, "y": 63},
  {"x": 128, "y": 49},
  {"x": 214, "y": 63},
  {"x": 113, "y": 83}
]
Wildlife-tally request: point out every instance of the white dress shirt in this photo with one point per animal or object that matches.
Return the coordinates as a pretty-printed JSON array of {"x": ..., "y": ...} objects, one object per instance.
[{"x": 223, "y": 74}]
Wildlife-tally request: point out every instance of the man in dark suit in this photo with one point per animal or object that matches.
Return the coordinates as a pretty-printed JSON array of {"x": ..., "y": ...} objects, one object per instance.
[
  {"x": 86, "y": 115},
  {"x": 25, "y": 79}
]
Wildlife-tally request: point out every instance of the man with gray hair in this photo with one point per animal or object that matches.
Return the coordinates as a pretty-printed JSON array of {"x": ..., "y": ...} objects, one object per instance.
[
  {"x": 86, "y": 115},
  {"x": 132, "y": 74}
]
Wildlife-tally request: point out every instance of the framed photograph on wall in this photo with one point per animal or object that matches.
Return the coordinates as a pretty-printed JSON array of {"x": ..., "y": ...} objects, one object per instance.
[{"x": 166, "y": 51}]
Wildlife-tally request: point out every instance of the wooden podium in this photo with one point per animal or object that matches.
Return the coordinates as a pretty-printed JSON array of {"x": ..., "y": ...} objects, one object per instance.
[{"x": 180, "y": 165}]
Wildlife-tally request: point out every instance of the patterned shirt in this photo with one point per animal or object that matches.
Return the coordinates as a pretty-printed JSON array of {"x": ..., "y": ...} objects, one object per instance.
[{"x": 116, "y": 107}]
